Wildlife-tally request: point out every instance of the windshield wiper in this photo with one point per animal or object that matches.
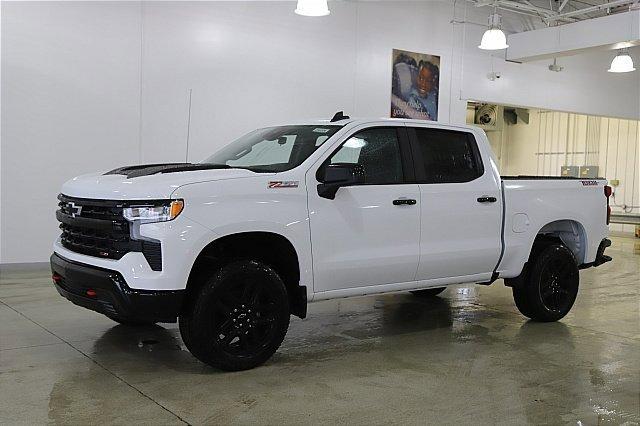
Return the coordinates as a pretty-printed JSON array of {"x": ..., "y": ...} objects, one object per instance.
[
  {"x": 214, "y": 166},
  {"x": 258, "y": 170}
]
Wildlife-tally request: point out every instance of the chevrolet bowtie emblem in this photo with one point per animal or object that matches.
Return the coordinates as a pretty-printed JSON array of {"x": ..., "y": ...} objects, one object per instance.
[{"x": 73, "y": 209}]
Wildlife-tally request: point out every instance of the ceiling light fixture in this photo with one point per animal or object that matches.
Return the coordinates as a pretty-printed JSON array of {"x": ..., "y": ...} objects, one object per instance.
[
  {"x": 312, "y": 8},
  {"x": 622, "y": 62},
  {"x": 494, "y": 38}
]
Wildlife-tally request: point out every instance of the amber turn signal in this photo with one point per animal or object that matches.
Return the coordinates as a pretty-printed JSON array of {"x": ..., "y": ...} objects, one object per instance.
[{"x": 176, "y": 208}]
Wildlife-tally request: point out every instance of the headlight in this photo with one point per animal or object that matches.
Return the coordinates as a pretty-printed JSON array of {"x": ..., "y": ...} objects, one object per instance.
[{"x": 154, "y": 213}]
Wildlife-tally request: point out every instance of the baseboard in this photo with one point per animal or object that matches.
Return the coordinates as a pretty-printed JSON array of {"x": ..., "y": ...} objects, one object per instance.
[{"x": 24, "y": 267}]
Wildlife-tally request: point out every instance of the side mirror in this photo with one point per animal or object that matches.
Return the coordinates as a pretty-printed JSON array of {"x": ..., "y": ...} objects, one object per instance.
[{"x": 334, "y": 176}]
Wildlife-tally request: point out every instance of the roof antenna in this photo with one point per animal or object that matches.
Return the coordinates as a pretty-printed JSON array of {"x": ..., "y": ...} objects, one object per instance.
[
  {"x": 186, "y": 154},
  {"x": 339, "y": 116}
]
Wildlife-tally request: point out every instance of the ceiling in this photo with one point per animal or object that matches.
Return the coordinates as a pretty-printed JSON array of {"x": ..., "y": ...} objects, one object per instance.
[{"x": 556, "y": 12}]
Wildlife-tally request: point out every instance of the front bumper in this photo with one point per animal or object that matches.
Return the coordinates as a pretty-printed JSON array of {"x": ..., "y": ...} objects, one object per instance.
[
  {"x": 182, "y": 241},
  {"x": 106, "y": 291}
]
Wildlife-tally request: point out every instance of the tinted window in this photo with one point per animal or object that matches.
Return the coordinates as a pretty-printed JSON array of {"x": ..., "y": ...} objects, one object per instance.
[
  {"x": 449, "y": 156},
  {"x": 377, "y": 150}
]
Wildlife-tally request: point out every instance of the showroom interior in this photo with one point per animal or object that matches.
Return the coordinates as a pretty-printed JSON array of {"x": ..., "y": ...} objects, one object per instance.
[{"x": 92, "y": 86}]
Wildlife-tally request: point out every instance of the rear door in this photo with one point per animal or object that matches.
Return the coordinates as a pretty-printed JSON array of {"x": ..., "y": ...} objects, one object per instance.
[
  {"x": 461, "y": 208},
  {"x": 369, "y": 235}
]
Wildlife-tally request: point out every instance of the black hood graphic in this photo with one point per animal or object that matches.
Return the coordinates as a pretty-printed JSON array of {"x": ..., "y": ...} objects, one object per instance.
[{"x": 152, "y": 169}]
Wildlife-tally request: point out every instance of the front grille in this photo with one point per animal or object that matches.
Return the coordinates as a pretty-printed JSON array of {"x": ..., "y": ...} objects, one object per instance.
[
  {"x": 112, "y": 245},
  {"x": 98, "y": 228}
]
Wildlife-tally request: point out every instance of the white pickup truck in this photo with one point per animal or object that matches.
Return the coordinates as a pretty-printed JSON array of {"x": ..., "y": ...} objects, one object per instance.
[{"x": 293, "y": 214}]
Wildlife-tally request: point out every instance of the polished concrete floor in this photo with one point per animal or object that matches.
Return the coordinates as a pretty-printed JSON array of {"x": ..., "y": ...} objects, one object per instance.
[{"x": 466, "y": 357}]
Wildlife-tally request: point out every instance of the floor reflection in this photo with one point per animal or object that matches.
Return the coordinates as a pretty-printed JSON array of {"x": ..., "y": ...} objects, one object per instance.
[{"x": 466, "y": 355}]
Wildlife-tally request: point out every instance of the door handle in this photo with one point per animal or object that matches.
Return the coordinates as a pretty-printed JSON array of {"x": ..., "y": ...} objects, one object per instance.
[
  {"x": 404, "y": 202},
  {"x": 487, "y": 199}
]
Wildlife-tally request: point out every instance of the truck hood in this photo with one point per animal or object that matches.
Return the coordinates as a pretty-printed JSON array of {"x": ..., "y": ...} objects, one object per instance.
[{"x": 155, "y": 181}]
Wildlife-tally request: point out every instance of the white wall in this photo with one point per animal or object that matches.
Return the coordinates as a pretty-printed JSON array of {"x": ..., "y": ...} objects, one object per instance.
[
  {"x": 584, "y": 86},
  {"x": 70, "y": 105},
  {"x": 91, "y": 86},
  {"x": 248, "y": 65}
]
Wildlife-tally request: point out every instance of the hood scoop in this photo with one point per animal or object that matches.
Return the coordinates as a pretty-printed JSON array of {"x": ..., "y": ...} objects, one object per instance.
[{"x": 152, "y": 169}]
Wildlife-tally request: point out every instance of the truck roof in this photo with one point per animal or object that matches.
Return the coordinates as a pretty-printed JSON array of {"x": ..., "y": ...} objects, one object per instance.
[{"x": 391, "y": 121}]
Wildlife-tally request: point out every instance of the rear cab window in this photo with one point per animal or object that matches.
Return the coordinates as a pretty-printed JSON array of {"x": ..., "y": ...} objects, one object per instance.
[{"x": 445, "y": 156}]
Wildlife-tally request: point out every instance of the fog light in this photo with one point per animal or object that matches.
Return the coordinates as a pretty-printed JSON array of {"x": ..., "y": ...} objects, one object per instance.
[{"x": 91, "y": 293}]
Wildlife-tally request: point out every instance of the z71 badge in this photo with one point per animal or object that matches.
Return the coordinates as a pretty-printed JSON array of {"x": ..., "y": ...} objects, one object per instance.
[{"x": 283, "y": 184}]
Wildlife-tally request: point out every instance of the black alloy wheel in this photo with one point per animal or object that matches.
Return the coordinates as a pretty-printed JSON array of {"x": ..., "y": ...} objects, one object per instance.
[
  {"x": 551, "y": 283},
  {"x": 245, "y": 318},
  {"x": 239, "y": 317},
  {"x": 556, "y": 285}
]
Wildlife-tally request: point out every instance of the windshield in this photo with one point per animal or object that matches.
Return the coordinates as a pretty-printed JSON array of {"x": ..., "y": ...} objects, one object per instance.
[{"x": 273, "y": 149}]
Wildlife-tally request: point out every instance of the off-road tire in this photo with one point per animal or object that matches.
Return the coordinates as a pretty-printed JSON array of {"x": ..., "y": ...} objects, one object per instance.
[
  {"x": 238, "y": 318},
  {"x": 550, "y": 285}
]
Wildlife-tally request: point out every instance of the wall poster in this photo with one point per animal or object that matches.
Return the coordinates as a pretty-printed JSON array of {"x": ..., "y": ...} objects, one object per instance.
[{"x": 415, "y": 85}]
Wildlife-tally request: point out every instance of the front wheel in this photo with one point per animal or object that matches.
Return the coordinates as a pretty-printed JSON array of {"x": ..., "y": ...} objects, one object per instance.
[
  {"x": 239, "y": 317},
  {"x": 550, "y": 286}
]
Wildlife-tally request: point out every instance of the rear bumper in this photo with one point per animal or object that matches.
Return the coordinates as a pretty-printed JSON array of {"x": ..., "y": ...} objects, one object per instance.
[
  {"x": 106, "y": 291},
  {"x": 600, "y": 256}
]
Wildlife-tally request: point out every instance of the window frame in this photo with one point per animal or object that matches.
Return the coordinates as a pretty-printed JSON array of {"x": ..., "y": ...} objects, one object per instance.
[
  {"x": 421, "y": 174},
  {"x": 406, "y": 156}
]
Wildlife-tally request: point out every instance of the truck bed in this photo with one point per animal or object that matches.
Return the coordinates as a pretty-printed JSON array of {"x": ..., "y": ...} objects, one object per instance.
[{"x": 573, "y": 208}]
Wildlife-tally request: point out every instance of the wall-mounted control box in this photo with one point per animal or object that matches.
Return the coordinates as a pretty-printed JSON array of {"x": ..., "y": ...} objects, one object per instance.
[
  {"x": 588, "y": 171},
  {"x": 570, "y": 171}
]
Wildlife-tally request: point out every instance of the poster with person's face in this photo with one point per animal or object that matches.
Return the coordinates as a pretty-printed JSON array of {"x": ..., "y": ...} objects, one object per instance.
[{"x": 415, "y": 85}]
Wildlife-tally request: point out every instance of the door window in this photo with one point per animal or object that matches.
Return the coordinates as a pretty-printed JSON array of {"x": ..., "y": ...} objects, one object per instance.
[
  {"x": 377, "y": 150},
  {"x": 448, "y": 156}
]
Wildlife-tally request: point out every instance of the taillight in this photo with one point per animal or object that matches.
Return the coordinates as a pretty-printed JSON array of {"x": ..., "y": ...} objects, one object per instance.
[{"x": 607, "y": 193}]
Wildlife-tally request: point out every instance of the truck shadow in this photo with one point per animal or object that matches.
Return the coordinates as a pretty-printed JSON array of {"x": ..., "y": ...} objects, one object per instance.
[{"x": 345, "y": 325}]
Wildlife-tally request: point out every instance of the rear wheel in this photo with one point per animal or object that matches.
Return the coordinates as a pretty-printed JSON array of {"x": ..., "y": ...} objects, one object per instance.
[
  {"x": 550, "y": 286},
  {"x": 239, "y": 317},
  {"x": 428, "y": 292}
]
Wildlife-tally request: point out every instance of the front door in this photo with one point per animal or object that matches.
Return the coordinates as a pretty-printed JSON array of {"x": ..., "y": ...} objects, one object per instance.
[{"x": 365, "y": 236}]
